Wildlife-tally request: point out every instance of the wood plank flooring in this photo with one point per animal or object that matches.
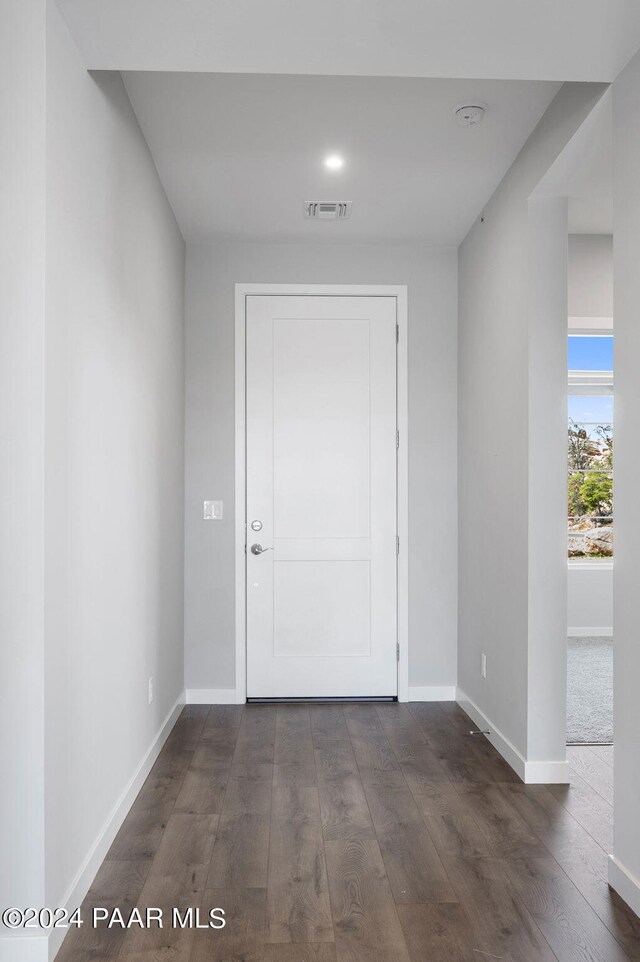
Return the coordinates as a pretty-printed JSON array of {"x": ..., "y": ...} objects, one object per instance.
[{"x": 359, "y": 833}]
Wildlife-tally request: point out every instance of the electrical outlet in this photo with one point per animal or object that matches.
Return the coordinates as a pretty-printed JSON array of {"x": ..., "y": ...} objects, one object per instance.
[
  {"x": 484, "y": 665},
  {"x": 150, "y": 690}
]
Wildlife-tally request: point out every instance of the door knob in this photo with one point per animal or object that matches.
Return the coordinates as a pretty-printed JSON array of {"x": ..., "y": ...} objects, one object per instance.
[{"x": 258, "y": 549}]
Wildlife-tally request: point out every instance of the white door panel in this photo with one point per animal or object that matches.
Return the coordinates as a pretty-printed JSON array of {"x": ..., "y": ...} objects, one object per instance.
[
  {"x": 321, "y": 372},
  {"x": 321, "y": 609},
  {"x": 321, "y": 478}
]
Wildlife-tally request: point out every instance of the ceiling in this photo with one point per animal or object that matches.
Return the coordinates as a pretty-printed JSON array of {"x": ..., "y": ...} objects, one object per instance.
[
  {"x": 240, "y": 154},
  {"x": 585, "y": 40}
]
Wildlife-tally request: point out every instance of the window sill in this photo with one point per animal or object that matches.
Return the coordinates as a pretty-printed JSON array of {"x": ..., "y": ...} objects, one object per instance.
[{"x": 596, "y": 563}]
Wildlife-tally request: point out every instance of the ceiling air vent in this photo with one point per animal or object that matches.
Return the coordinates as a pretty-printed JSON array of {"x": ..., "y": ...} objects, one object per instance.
[{"x": 327, "y": 210}]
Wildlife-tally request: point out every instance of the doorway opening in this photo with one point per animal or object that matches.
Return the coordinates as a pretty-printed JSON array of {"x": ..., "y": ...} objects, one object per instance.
[
  {"x": 591, "y": 472},
  {"x": 571, "y": 447},
  {"x": 590, "y": 539}
]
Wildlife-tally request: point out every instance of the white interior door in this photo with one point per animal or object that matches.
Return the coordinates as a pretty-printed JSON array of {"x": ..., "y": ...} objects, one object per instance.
[{"x": 321, "y": 496}]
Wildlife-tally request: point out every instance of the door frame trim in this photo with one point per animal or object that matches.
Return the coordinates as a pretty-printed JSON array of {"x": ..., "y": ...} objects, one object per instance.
[{"x": 399, "y": 291}]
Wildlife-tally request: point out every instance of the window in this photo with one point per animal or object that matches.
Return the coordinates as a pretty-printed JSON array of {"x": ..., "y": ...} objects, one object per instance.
[{"x": 590, "y": 447}]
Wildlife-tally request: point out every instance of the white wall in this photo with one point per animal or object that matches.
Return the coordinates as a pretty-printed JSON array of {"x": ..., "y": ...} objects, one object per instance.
[
  {"x": 22, "y": 122},
  {"x": 590, "y": 275},
  {"x": 590, "y": 599},
  {"x": 626, "y": 620},
  {"x": 212, "y": 271},
  {"x": 114, "y": 491},
  {"x": 494, "y": 318},
  {"x": 546, "y": 302}
]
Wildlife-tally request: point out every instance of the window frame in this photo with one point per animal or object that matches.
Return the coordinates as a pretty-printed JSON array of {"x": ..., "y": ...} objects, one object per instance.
[{"x": 591, "y": 384}]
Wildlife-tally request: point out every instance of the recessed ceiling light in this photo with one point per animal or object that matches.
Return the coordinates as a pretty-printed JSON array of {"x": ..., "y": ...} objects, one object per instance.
[{"x": 333, "y": 162}]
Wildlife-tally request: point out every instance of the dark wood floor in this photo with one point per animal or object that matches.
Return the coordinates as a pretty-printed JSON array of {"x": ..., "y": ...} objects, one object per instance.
[{"x": 360, "y": 833}]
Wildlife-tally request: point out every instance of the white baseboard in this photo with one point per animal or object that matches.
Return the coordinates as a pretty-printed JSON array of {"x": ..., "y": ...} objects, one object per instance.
[
  {"x": 531, "y": 773},
  {"x": 87, "y": 872},
  {"x": 547, "y": 773},
  {"x": 23, "y": 949},
  {"x": 229, "y": 696},
  {"x": 432, "y": 693},
  {"x": 508, "y": 751},
  {"x": 213, "y": 696},
  {"x": 590, "y": 632},
  {"x": 625, "y": 884}
]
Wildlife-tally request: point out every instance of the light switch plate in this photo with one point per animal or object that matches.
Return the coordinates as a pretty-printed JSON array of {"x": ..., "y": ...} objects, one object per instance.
[{"x": 212, "y": 511}]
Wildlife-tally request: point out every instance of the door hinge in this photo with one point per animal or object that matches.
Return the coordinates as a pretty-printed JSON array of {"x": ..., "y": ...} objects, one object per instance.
[
  {"x": 397, "y": 439},
  {"x": 397, "y": 544},
  {"x": 397, "y": 651},
  {"x": 397, "y": 333}
]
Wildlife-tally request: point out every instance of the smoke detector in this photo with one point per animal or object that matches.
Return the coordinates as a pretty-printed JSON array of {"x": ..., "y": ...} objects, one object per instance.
[
  {"x": 469, "y": 115},
  {"x": 327, "y": 209}
]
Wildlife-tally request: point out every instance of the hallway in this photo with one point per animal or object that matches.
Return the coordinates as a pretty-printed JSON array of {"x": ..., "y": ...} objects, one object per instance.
[{"x": 381, "y": 833}]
